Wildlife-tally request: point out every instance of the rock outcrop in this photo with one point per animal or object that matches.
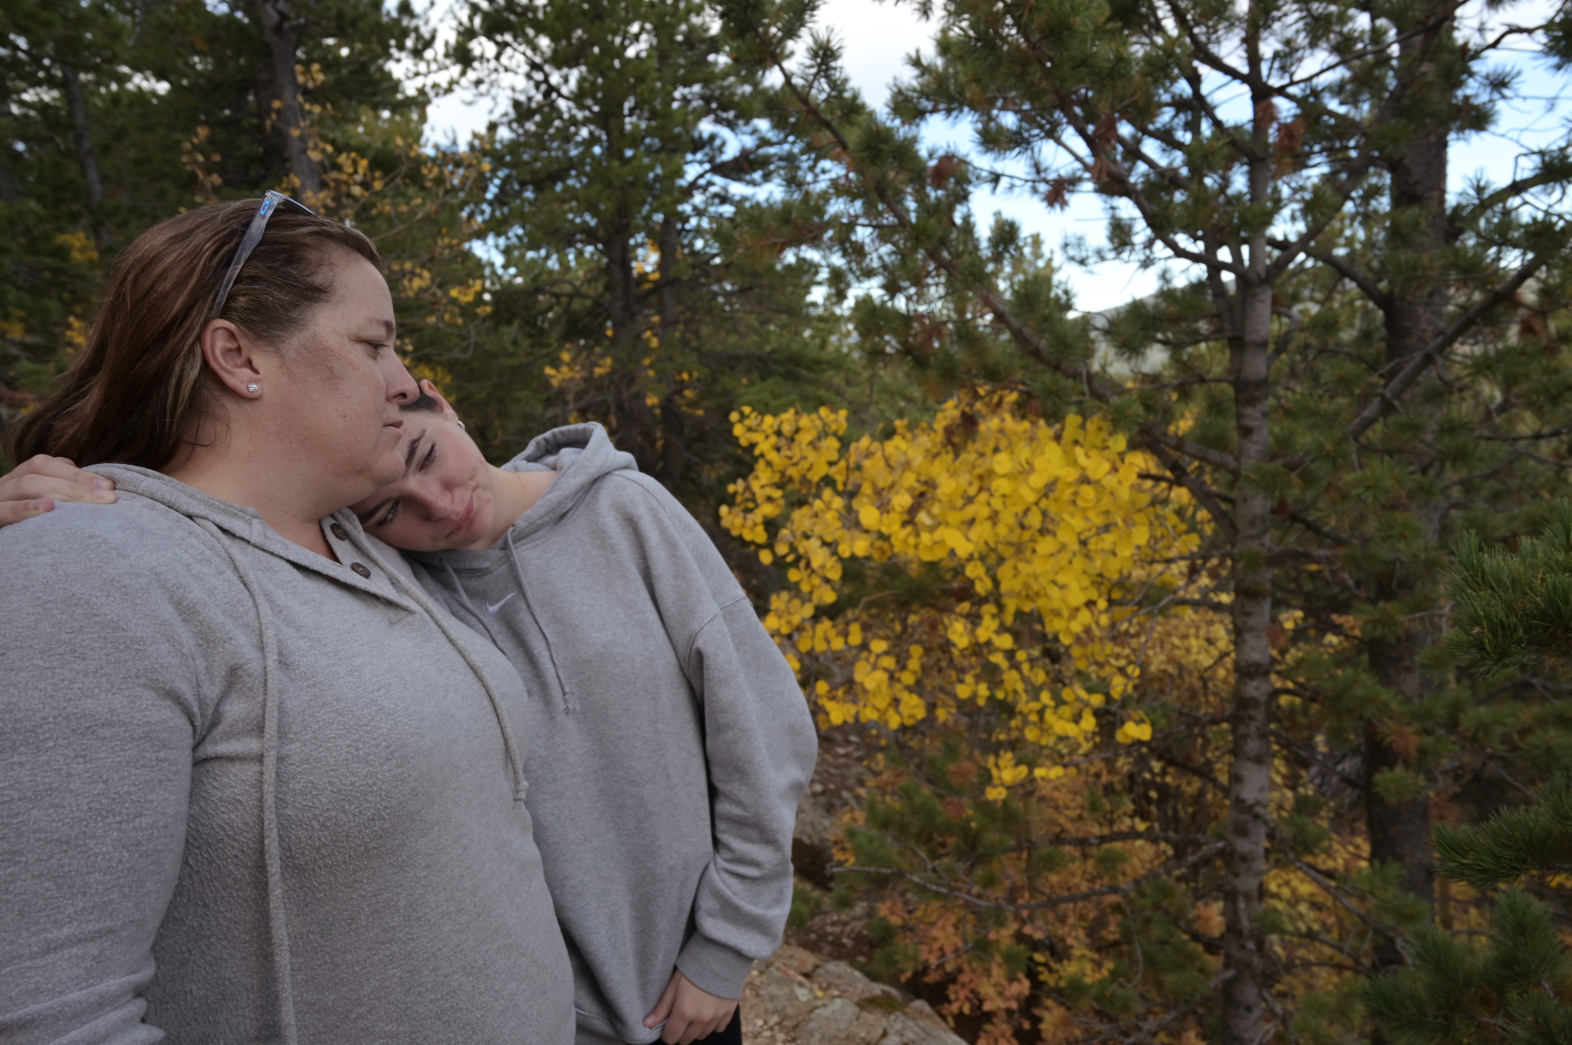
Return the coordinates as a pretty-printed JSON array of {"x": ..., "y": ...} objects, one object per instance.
[{"x": 799, "y": 998}]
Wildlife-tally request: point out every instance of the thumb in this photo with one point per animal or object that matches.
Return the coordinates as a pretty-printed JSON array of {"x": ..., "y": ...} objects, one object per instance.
[{"x": 662, "y": 1010}]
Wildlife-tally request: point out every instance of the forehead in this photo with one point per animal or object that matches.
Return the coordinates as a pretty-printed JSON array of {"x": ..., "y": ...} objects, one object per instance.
[{"x": 361, "y": 296}]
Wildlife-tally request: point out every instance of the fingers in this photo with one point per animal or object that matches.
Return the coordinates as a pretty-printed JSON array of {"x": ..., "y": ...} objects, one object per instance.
[
  {"x": 674, "y": 1034},
  {"x": 690, "y": 1031},
  {"x": 16, "y": 511},
  {"x": 56, "y": 467},
  {"x": 54, "y": 478},
  {"x": 685, "y": 1032},
  {"x": 721, "y": 1021},
  {"x": 695, "y": 1013},
  {"x": 662, "y": 1009}
]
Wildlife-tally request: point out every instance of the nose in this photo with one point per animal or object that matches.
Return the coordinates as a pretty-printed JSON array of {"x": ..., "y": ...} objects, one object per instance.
[
  {"x": 435, "y": 500},
  {"x": 401, "y": 388}
]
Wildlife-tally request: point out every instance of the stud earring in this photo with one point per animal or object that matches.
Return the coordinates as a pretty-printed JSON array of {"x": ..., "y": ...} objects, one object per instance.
[{"x": 252, "y": 388}]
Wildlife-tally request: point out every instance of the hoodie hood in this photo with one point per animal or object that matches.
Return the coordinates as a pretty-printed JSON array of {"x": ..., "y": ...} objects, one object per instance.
[
  {"x": 579, "y": 454},
  {"x": 246, "y": 524}
]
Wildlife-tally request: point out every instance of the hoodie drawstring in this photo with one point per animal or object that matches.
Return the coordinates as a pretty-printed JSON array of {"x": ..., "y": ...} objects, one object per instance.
[
  {"x": 413, "y": 592},
  {"x": 272, "y": 857},
  {"x": 570, "y": 703}
]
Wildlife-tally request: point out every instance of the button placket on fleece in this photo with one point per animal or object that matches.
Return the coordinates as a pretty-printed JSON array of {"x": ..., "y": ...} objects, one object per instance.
[{"x": 387, "y": 587}]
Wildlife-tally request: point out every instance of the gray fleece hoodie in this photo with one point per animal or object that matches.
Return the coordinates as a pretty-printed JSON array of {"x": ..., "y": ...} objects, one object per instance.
[
  {"x": 248, "y": 794},
  {"x": 669, "y": 742}
]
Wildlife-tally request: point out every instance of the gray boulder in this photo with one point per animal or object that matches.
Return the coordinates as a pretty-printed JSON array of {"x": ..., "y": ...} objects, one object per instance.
[{"x": 798, "y": 998}]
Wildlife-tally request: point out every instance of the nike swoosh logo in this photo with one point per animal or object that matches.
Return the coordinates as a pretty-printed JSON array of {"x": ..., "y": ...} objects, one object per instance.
[{"x": 492, "y": 608}]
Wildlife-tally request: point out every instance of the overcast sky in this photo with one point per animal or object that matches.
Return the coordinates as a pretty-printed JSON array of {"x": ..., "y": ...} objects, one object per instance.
[{"x": 877, "y": 37}]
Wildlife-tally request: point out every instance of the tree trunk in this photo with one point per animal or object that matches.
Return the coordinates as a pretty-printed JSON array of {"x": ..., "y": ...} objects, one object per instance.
[
  {"x": 674, "y": 437},
  {"x": 669, "y": 245},
  {"x": 82, "y": 139},
  {"x": 632, "y": 419},
  {"x": 1399, "y": 831},
  {"x": 288, "y": 116},
  {"x": 1415, "y": 315},
  {"x": 1250, "y": 778}
]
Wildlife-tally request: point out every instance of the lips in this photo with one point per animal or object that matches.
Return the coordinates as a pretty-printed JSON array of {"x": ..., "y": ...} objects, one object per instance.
[{"x": 465, "y": 519}]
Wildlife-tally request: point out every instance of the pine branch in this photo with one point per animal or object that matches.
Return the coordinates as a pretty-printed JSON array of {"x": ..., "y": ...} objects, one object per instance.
[
  {"x": 1525, "y": 840},
  {"x": 1514, "y": 610},
  {"x": 1386, "y": 401}
]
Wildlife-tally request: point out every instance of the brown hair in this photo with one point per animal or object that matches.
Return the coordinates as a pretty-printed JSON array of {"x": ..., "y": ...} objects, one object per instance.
[
  {"x": 422, "y": 403},
  {"x": 132, "y": 395}
]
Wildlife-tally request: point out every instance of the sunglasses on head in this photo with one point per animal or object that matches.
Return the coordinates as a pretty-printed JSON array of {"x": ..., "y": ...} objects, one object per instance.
[{"x": 249, "y": 241}]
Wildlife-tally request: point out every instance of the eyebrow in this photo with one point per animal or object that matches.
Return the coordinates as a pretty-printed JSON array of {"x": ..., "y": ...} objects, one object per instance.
[
  {"x": 366, "y": 516},
  {"x": 409, "y": 455}
]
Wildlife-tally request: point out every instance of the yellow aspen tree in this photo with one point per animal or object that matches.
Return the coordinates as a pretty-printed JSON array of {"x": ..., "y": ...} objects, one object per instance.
[
  {"x": 1050, "y": 550},
  {"x": 1025, "y": 616}
]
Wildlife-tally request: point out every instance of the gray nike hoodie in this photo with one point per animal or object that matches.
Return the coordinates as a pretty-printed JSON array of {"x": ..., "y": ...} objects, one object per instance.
[
  {"x": 669, "y": 741},
  {"x": 249, "y": 794}
]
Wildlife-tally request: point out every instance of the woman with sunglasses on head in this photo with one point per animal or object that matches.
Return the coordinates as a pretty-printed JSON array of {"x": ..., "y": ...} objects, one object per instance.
[{"x": 255, "y": 785}]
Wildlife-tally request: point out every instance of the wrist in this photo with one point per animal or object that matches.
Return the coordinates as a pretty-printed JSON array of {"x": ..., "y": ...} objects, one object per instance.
[{"x": 714, "y": 968}]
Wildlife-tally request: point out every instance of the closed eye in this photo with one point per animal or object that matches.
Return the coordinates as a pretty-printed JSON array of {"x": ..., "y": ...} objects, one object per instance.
[
  {"x": 383, "y": 512},
  {"x": 393, "y": 506}
]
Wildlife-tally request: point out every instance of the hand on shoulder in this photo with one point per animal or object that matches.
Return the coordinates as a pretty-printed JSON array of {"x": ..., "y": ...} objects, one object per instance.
[{"x": 34, "y": 487}]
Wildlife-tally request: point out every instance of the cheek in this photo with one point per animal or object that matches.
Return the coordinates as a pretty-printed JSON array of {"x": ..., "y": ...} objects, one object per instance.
[
  {"x": 365, "y": 391},
  {"x": 331, "y": 404},
  {"x": 459, "y": 467},
  {"x": 351, "y": 379}
]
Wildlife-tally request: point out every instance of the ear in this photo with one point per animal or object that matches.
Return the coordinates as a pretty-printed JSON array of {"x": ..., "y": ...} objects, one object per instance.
[
  {"x": 233, "y": 358},
  {"x": 430, "y": 389}
]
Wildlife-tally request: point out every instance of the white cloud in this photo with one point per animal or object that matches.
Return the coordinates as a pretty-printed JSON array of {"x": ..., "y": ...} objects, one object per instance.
[{"x": 876, "y": 37}]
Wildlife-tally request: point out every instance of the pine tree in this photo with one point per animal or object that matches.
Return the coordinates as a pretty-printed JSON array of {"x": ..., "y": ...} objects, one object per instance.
[
  {"x": 1512, "y": 610},
  {"x": 1344, "y": 366},
  {"x": 1515, "y": 987},
  {"x": 628, "y": 161}
]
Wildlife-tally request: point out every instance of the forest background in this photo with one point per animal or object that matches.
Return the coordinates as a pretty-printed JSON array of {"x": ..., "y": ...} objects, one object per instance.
[{"x": 1143, "y": 610}]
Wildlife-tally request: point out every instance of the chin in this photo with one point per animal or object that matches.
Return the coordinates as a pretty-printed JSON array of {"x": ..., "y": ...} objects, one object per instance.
[{"x": 390, "y": 471}]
